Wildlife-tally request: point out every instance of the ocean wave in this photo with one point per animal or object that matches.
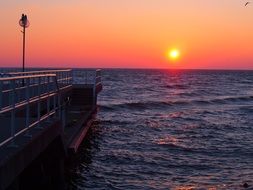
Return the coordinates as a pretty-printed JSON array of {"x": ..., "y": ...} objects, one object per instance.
[
  {"x": 160, "y": 104},
  {"x": 176, "y": 86},
  {"x": 232, "y": 99},
  {"x": 142, "y": 105}
]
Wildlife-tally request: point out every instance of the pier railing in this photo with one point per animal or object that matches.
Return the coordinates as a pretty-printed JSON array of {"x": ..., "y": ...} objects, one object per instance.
[
  {"x": 64, "y": 76},
  {"x": 21, "y": 100},
  {"x": 87, "y": 76}
]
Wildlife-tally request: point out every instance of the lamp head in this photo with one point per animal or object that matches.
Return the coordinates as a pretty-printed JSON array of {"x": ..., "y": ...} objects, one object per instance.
[{"x": 23, "y": 22}]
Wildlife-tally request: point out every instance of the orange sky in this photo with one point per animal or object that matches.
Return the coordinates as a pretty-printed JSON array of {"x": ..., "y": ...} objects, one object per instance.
[{"x": 215, "y": 34}]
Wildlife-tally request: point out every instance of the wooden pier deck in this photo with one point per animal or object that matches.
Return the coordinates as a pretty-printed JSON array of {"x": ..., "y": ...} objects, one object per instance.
[{"x": 63, "y": 117}]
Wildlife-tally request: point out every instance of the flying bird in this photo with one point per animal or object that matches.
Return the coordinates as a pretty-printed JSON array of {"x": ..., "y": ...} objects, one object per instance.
[{"x": 247, "y": 3}]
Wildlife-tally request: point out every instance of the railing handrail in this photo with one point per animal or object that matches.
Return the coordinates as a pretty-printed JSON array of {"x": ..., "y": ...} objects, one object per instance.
[
  {"x": 25, "y": 77},
  {"x": 42, "y": 71}
]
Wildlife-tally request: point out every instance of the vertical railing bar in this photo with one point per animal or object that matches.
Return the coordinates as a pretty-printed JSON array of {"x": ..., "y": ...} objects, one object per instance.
[
  {"x": 27, "y": 102},
  {"x": 67, "y": 80},
  {"x": 57, "y": 78},
  {"x": 55, "y": 102},
  {"x": 63, "y": 79},
  {"x": 9, "y": 93},
  {"x": 39, "y": 103},
  {"x": 58, "y": 97},
  {"x": 32, "y": 89},
  {"x": 12, "y": 111},
  {"x": 71, "y": 74},
  {"x": 28, "y": 96},
  {"x": 48, "y": 96},
  {"x": 1, "y": 95},
  {"x": 95, "y": 79},
  {"x": 86, "y": 72},
  {"x": 68, "y": 77}
]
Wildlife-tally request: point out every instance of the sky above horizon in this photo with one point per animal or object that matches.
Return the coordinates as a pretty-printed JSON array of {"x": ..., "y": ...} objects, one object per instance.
[{"x": 215, "y": 34}]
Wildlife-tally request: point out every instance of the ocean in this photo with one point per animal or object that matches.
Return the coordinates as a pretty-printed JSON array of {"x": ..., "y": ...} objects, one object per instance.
[{"x": 169, "y": 129}]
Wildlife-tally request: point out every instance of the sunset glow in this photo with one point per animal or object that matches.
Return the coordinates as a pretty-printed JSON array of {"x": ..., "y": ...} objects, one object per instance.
[
  {"x": 128, "y": 34},
  {"x": 173, "y": 54}
]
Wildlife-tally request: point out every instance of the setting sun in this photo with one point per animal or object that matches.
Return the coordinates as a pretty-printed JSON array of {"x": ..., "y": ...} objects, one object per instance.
[{"x": 173, "y": 54}]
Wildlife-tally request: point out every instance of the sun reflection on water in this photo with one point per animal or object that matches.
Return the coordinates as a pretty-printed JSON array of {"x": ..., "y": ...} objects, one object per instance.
[
  {"x": 168, "y": 140},
  {"x": 192, "y": 187}
]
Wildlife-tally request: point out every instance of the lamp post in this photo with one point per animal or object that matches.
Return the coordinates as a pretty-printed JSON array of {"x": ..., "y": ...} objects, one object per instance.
[{"x": 23, "y": 22}]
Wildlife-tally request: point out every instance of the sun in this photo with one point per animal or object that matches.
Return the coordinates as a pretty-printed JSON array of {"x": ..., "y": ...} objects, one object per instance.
[{"x": 173, "y": 54}]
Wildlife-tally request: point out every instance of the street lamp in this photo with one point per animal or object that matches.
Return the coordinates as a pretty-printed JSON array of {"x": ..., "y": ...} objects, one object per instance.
[{"x": 23, "y": 22}]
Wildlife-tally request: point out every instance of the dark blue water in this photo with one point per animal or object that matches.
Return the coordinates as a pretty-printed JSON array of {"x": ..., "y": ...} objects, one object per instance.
[{"x": 161, "y": 129}]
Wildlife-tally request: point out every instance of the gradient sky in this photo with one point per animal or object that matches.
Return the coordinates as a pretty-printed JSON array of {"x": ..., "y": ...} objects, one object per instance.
[{"x": 211, "y": 34}]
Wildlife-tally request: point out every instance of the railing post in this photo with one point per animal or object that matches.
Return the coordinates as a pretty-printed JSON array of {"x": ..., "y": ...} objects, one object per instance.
[
  {"x": 27, "y": 115},
  {"x": 58, "y": 97},
  {"x": 9, "y": 93},
  {"x": 48, "y": 97},
  {"x": 86, "y": 80},
  {"x": 58, "y": 77},
  {"x": 66, "y": 78},
  {"x": 71, "y": 75},
  {"x": 64, "y": 74},
  {"x": 12, "y": 113},
  {"x": 39, "y": 103},
  {"x": 1, "y": 95},
  {"x": 55, "y": 91},
  {"x": 28, "y": 102}
]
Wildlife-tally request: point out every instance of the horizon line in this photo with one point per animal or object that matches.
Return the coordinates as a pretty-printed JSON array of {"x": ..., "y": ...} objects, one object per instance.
[{"x": 132, "y": 68}]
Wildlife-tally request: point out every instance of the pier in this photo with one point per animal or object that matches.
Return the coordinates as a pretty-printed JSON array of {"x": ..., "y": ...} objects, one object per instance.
[{"x": 44, "y": 117}]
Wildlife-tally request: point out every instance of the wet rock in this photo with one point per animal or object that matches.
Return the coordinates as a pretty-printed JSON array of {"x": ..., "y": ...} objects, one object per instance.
[{"x": 245, "y": 185}]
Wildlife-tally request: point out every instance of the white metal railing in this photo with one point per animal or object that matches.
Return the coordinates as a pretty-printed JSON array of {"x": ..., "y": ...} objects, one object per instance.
[
  {"x": 20, "y": 95},
  {"x": 64, "y": 76},
  {"x": 87, "y": 76}
]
